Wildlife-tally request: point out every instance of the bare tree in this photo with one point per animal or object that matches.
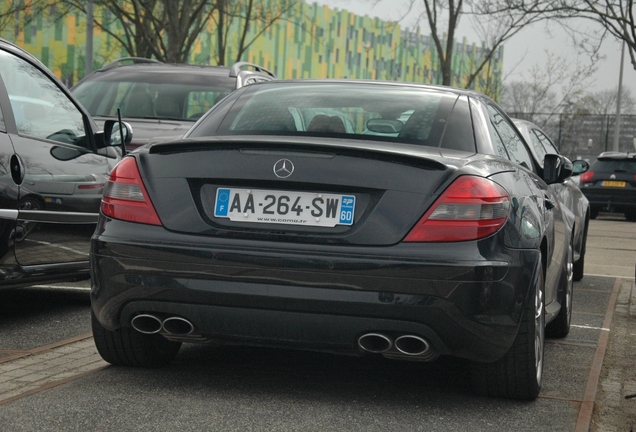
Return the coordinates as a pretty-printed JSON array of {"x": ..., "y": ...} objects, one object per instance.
[
  {"x": 28, "y": 11},
  {"x": 615, "y": 16},
  {"x": 167, "y": 30},
  {"x": 604, "y": 102},
  {"x": 243, "y": 15},
  {"x": 552, "y": 87},
  {"x": 160, "y": 29},
  {"x": 496, "y": 21}
]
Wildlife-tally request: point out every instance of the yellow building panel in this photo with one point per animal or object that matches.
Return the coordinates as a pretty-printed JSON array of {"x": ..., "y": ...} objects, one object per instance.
[
  {"x": 290, "y": 67},
  {"x": 72, "y": 31},
  {"x": 276, "y": 48}
]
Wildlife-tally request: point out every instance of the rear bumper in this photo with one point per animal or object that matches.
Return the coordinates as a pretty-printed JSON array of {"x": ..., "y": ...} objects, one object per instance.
[
  {"x": 611, "y": 199},
  {"x": 324, "y": 298}
]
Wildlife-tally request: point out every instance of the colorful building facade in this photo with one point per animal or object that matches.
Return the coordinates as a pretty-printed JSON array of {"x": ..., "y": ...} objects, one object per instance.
[{"x": 311, "y": 41}]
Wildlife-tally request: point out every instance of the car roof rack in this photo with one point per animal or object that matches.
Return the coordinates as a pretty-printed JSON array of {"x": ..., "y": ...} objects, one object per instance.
[
  {"x": 126, "y": 61},
  {"x": 239, "y": 66},
  {"x": 616, "y": 155}
]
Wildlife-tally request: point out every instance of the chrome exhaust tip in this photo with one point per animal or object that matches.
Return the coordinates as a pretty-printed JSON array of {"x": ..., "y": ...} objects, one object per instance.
[
  {"x": 147, "y": 324},
  {"x": 375, "y": 342},
  {"x": 412, "y": 345},
  {"x": 177, "y": 326}
]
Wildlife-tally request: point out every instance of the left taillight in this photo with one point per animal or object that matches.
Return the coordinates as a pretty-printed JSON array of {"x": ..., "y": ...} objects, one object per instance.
[
  {"x": 586, "y": 177},
  {"x": 470, "y": 208},
  {"x": 125, "y": 196}
]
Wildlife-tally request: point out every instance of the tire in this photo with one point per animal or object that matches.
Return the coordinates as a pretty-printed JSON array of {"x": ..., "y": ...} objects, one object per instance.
[
  {"x": 560, "y": 326},
  {"x": 580, "y": 264},
  {"x": 578, "y": 269},
  {"x": 518, "y": 374},
  {"x": 630, "y": 216},
  {"x": 128, "y": 347}
]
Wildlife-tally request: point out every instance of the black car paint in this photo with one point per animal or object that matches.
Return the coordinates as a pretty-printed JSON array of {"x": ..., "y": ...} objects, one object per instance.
[
  {"x": 203, "y": 274},
  {"x": 567, "y": 192},
  {"x": 609, "y": 198},
  {"x": 201, "y": 267},
  {"x": 309, "y": 288}
]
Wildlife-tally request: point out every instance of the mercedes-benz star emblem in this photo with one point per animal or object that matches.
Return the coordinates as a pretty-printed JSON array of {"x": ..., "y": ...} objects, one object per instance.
[{"x": 283, "y": 168}]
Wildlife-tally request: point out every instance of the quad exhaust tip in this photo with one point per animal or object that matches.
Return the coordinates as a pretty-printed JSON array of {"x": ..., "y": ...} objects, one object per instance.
[
  {"x": 412, "y": 345},
  {"x": 375, "y": 342},
  {"x": 146, "y": 324},
  {"x": 178, "y": 326},
  {"x": 151, "y": 324},
  {"x": 406, "y": 345}
]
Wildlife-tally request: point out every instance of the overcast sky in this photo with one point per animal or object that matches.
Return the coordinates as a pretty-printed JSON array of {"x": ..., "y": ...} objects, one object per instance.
[{"x": 523, "y": 50}]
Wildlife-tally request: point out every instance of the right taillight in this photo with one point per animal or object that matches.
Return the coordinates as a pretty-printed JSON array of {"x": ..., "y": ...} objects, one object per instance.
[
  {"x": 125, "y": 196},
  {"x": 470, "y": 208},
  {"x": 586, "y": 177}
]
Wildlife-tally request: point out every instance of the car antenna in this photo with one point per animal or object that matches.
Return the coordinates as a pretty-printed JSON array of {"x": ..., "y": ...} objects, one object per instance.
[{"x": 121, "y": 133}]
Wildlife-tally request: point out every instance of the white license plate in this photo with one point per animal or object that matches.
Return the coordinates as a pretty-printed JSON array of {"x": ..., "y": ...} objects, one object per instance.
[{"x": 284, "y": 207}]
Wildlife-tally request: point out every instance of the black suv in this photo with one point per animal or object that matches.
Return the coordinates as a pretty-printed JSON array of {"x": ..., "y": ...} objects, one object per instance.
[
  {"x": 610, "y": 184},
  {"x": 161, "y": 101}
]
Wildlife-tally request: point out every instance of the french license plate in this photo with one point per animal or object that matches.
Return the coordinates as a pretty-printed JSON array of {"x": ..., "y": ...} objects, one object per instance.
[
  {"x": 284, "y": 207},
  {"x": 611, "y": 183}
]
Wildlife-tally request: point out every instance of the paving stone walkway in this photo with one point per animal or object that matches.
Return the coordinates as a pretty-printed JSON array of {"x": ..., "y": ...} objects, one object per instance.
[{"x": 25, "y": 373}]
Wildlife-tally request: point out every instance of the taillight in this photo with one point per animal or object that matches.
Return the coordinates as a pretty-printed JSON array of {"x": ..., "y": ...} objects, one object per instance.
[
  {"x": 470, "y": 208},
  {"x": 91, "y": 186},
  {"x": 586, "y": 177},
  {"x": 125, "y": 196}
]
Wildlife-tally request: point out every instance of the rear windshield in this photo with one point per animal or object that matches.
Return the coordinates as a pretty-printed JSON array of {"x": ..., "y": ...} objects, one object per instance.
[
  {"x": 152, "y": 95},
  {"x": 346, "y": 110},
  {"x": 614, "y": 165}
]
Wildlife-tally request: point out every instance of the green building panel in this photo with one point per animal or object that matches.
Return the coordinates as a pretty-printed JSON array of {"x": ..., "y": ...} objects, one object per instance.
[{"x": 311, "y": 41}]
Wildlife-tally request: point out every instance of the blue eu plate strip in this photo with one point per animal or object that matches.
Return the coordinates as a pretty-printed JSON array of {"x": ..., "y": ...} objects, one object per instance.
[{"x": 222, "y": 202}]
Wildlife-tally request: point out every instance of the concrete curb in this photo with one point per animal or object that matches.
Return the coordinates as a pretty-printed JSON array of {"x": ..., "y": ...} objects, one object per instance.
[{"x": 615, "y": 404}]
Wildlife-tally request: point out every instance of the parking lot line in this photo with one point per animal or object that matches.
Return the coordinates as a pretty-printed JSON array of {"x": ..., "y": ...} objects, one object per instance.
[{"x": 587, "y": 406}]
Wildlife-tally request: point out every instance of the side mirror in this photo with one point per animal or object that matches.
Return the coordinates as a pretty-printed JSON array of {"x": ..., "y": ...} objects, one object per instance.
[
  {"x": 580, "y": 166},
  {"x": 65, "y": 153},
  {"x": 556, "y": 168},
  {"x": 117, "y": 133}
]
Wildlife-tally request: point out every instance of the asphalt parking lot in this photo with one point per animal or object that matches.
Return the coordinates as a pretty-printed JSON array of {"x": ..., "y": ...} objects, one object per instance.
[{"x": 51, "y": 377}]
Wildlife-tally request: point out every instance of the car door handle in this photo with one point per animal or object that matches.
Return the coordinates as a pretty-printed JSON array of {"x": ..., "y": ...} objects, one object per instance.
[
  {"x": 549, "y": 204},
  {"x": 17, "y": 169}
]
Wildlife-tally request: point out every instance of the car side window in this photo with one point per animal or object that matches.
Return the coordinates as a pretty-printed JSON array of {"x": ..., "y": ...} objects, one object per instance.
[
  {"x": 549, "y": 147},
  {"x": 517, "y": 152},
  {"x": 538, "y": 147},
  {"x": 2, "y": 126},
  {"x": 40, "y": 107},
  {"x": 499, "y": 145}
]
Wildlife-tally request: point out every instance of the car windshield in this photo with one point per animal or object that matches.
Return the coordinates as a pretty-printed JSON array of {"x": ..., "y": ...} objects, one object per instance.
[
  {"x": 151, "y": 96},
  {"x": 615, "y": 165},
  {"x": 431, "y": 117}
]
